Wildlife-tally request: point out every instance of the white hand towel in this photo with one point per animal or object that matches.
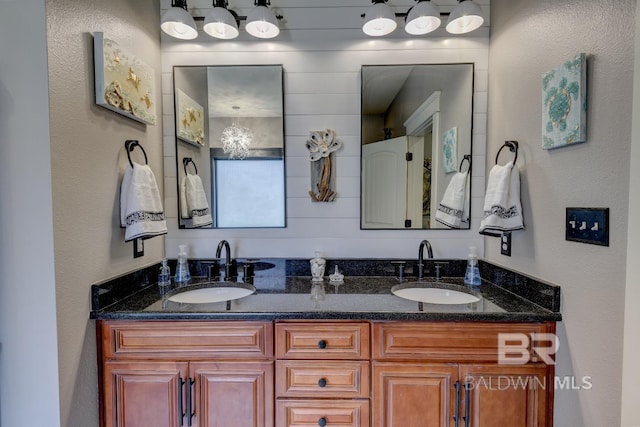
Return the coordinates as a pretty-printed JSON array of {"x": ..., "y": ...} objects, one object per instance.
[
  {"x": 193, "y": 201},
  {"x": 453, "y": 210},
  {"x": 502, "y": 207},
  {"x": 141, "y": 212}
]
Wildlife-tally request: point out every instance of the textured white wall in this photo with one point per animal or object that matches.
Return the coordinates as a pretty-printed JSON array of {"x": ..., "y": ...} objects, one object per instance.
[
  {"x": 28, "y": 347},
  {"x": 322, "y": 50},
  {"x": 527, "y": 39},
  {"x": 88, "y": 160}
]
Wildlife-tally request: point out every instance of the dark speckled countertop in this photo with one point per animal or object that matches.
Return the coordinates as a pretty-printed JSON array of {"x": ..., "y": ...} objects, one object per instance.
[{"x": 285, "y": 291}]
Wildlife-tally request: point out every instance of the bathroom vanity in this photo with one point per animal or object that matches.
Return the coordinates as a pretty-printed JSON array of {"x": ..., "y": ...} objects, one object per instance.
[{"x": 353, "y": 355}]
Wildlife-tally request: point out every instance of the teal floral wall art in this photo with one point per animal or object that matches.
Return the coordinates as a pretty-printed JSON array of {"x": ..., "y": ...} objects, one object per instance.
[
  {"x": 564, "y": 104},
  {"x": 450, "y": 150}
]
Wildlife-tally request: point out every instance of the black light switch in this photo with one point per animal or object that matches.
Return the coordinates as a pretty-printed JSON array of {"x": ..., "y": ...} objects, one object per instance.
[{"x": 588, "y": 225}]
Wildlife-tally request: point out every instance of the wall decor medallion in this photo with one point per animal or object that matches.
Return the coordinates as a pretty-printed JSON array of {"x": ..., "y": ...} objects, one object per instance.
[
  {"x": 564, "y": 104},
  {"x": 321, "y": 145},
  {"x": 450, "y": 150},
  {"x": 123, "y": 82},
  {"x": 190, "y": 119}
]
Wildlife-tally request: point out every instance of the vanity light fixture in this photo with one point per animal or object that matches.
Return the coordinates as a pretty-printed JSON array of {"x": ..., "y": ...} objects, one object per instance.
[
  {"x": 466, "y": 17},
  {"x": 220, "y": 22},
  {"x": 262, "y": 22},
  {"x": 422, "y": 18},
  {"x": 379, "y": 19},
  {"x": 178, "y": 22}
]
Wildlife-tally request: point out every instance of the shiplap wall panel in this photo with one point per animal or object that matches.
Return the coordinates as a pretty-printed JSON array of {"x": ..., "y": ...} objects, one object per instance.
[{"x": 322, "y": 90}]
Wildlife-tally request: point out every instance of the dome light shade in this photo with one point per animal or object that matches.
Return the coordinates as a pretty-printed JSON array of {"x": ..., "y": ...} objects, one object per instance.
[
  {"x": 466, "y": 17},
  {"x": 221, "y": 24},
  {"x": 262, "y": 23},
  {"x": 178, "y": 22},
  {"x": 423, "y": 18},
  {"x": 379, "y": 20}
]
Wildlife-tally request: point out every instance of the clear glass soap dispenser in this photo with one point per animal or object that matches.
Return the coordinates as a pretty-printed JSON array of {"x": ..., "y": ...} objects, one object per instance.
[
  {"x": 182, "y": 276},
  {"x": 472, "y": 275},
  {"x": 164, "y": 275}
]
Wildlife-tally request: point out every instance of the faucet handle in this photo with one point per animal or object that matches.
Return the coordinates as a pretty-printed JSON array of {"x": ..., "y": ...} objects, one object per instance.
[
  {"x": 438, "y": 265},
  {"x": 400, "y": 265},
  {"x": 213, "y": 270}
]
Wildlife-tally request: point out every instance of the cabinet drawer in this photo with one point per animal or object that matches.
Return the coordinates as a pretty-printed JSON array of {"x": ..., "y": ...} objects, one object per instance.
[
  {"x": 321, "y": 379},
  {"x": 336, "y": 413},
  {"x": 322, "y": 340},
  {"x": 187, "y": 339},
  {"x": 449, "y": 341}
]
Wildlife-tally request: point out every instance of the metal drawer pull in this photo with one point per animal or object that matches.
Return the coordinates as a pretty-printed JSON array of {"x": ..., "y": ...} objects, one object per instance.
[
  {"x": 322, "y": 422},
  {"x": 322, "y": 344},
  {"x": 456, "y": 417},
  {"x": 322, "y": 382}
]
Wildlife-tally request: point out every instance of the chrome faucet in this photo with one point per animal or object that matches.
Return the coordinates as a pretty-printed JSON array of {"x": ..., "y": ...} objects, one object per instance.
[
  {"x": 421, "y": 257},
  {"x": 227, "y": 261}
]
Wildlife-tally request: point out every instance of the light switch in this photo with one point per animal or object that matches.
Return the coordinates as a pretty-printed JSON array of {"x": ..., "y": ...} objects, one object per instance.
[{"x": 588, "y": 225}]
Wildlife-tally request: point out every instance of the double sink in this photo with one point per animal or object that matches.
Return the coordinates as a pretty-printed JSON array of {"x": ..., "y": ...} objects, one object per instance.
[{"x": 421, "y": 291}]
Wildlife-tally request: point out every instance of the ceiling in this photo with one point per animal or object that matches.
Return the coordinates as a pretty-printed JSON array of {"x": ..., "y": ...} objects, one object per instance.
[{"x": 245, "y": 91}]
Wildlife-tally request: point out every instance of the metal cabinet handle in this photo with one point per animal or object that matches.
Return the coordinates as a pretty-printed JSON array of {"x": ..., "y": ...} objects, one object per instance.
[
  {"x": 181, "y": 412},
  {"x": 456, "y": 417},
  {"x": 467, "y": 401},
  {"x": 322, "y": 422},
  {"x": 190, "y": 409},
  {"x": 322, "y": 382},
  {"x": 322, "y": 344}
]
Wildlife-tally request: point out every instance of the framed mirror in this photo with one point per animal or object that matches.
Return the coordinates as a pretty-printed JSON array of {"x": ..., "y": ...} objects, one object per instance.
[
  {"x": 230, "y": 146},
  {"x": 416, "y": 146}
]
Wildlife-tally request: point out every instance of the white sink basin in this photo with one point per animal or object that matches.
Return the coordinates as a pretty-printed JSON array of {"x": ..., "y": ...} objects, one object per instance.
[
  {"x": 212, "y": 294},
  {"x": 434, "y": 293}
]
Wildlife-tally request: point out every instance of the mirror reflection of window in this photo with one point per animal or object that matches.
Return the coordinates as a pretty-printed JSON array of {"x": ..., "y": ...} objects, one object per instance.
[{"x": 239, "y": 202}]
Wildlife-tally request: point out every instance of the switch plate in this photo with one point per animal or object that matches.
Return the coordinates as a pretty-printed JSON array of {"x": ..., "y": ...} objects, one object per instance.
[
  {"x": 138, "y": 248},
  {"x": 587, "y": 225}
]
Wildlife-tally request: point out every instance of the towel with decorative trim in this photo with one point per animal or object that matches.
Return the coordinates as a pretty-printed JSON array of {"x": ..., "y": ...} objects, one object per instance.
[
  {"x": 141, "y": 212},
  {"x": 194, "y": 206},
  {"x": 453, "y": 210},
  {"x": 502, "y": 206}
]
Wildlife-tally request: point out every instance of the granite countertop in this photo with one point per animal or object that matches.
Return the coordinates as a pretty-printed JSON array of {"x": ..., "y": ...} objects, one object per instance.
[{"x": 281, "y": 296}]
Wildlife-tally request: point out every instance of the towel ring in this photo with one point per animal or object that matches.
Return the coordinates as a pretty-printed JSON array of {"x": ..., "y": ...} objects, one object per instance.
[
  {"x": 513, "y": 147},
  {"x": 185, "y": 163},
  {"x": 466, "y": 157},
  {"x": 130, "y": 144}
]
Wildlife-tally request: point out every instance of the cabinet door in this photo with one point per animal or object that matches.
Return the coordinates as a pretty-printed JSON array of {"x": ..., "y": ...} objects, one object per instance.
[
  {"x": 232, "y": 394},
  {"x": 143, "y": 394},
  {"x": 414, "y": 394},
  {"x": 506, "y": 395}
]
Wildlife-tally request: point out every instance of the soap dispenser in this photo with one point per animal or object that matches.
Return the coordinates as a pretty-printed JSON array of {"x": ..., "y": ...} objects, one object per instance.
[
  {"x": 182, "y": 276},
  {"x": 472, "y": 275},
  {"x": 317, "y": 268}
]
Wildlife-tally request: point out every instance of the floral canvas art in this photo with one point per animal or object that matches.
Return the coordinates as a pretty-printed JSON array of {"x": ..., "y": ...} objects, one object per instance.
[
  {"x": 564, "y": 104},
  {"x": 190, "y": 118},
  {"x": 450, "y": 150},
  {"x": 123, "y": 82}
]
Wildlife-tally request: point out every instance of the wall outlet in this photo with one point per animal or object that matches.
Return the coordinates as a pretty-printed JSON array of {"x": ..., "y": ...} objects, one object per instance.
[
  {"x": 505, "y": 243},
  {"x": 587, "y": 225}
]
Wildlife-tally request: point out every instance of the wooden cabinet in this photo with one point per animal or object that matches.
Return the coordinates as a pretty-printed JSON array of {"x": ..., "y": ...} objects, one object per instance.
[
  {"x": 447, "y": 374},
  {"x": 174, "y": 374},
  {"x": 322, "y": 374}
]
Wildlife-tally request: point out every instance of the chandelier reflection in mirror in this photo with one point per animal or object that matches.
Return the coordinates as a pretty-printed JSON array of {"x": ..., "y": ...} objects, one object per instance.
[{"x": 236, "y": 141}]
